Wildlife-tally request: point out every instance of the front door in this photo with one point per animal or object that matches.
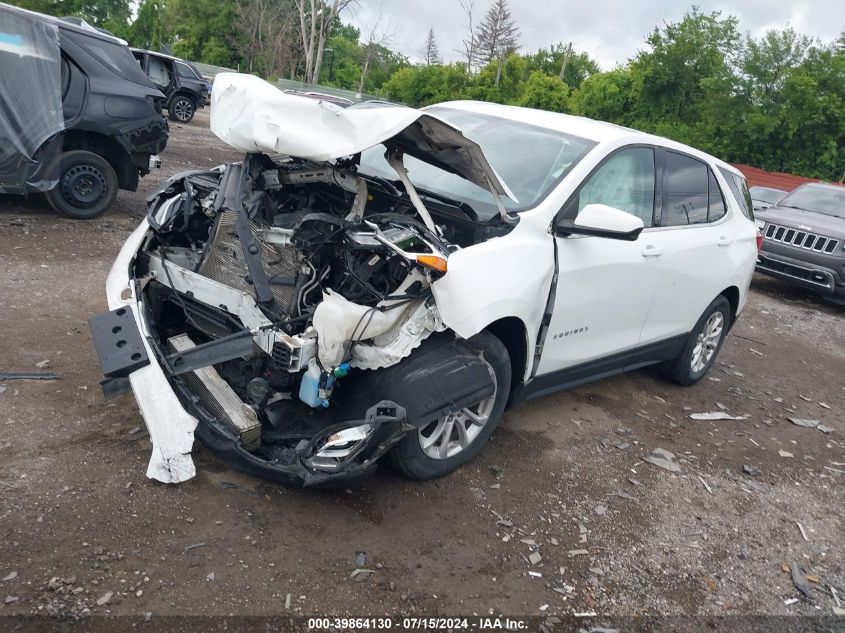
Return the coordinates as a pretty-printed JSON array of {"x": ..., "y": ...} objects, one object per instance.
[{"x": 605, "y": 287}]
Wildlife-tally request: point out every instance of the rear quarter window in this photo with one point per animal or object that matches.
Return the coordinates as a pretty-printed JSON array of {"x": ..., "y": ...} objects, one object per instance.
[{"x": 739, "y": 189}]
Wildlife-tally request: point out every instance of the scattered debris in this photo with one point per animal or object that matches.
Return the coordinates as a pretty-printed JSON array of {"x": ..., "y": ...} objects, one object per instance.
[
  {"x": 790, "y": 601},
  {"x": 210, "y": 576},
  {"x": 810, "y": 424},
  {"x": 838, "y": 611},
  {"x": 43, "y": 364},
  {"x": 229, "y": 485},
  {"x": 824, "y": 405},
  {"x": 754, "y": 351},
  {"x": 105, "y": 598},
  {"x": 600, "y": 509},
  {"x": 578, "y": 552},
  {"x": 701, "y": 479},
  {"x": 360, "y": 559},
  {"x": 10, "y": 576},
  {"x": 287, "y": 602},
  {"x": 534, "y": 558},
  {"x": 360, "y": 574},
  {"x": 10, "y": 599},
  {"x": 825, "y": 429},
  {"x": 535, "y": 574},
  {"x": 717, "y": 415},
  {"x": 17, "y": 375},
  {"x": 625, "y": 495},
  {"x": 750, "y": 470},
  {"x": 634, "y": 481},
  {"x": 784, "y": 453},
  {"x": 803, "y": 533},
  {"x": 663, "y": 459},
  {"x": 497, "y": 471},
  {"x": 194, "y": 546},
  {"x": 799, "y": 580}
]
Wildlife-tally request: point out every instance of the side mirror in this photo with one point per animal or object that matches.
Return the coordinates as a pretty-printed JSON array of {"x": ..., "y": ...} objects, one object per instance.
[{"x": 601, "y": 220}]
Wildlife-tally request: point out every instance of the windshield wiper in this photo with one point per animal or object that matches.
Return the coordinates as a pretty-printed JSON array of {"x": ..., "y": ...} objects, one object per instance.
[{"x": 789, "y": 206}]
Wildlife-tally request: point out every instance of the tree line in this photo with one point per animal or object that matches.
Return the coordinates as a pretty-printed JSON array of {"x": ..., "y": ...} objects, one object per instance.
[{"x": 776, "y": 102}]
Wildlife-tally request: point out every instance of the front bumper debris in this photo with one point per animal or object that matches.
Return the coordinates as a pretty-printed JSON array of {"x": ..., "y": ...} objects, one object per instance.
[{"x": 173, "y": 412}]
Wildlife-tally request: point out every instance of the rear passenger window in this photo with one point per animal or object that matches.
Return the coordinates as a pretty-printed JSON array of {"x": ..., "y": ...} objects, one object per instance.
[{"x": 691, "y": 194}]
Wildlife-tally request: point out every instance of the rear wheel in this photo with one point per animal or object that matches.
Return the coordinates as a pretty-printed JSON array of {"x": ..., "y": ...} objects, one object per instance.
[
  {"x": 87, "y": 186},
  {"x": 703, "y": 345},
  {"x": 181, "y": 109},
  {"x": 444, "y": 445}
]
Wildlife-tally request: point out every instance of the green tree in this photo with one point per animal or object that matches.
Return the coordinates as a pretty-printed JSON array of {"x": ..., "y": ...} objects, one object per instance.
[
  {"x": 99, "y": 13},
  {"x": 682, "y": 55},
  {"x": 610, "y": 96},
  {"x": 545, "y": 93}
]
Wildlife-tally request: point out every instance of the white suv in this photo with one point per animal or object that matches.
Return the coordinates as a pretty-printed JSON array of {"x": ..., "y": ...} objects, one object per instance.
[{"x": 382, "y": 280}]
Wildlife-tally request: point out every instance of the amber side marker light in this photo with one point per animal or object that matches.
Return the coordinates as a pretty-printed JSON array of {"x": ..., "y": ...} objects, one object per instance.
[{"x": 432, "y": 261}]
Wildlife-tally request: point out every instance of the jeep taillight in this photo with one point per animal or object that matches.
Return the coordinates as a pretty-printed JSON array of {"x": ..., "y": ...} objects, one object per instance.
[{"x": 759, "y": 240}]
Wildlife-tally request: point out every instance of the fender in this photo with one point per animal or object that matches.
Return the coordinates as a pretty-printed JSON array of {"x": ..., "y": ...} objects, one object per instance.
[{"x": 509, "y": 276}]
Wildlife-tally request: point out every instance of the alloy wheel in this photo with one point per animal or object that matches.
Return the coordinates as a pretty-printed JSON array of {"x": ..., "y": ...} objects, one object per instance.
[
  {"x": 455, "y": 432},
  {"x": 183, "y": 110},
  {"x": 707, "y": 342}
]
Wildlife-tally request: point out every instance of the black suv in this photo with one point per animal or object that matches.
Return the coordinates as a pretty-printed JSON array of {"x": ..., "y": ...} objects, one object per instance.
[
  {"x": 804, "y": 239},
  {"x": 181, "y": 82},
  {"x": 78, "y": 118}
]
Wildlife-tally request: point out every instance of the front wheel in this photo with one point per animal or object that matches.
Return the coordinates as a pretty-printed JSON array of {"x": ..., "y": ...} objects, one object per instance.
[
  {"x": 702, "y": 346},
  {"x": 444, "y": 445},
  {"x": 181, "y": 109},
  {"x": 87, "y": 186}
]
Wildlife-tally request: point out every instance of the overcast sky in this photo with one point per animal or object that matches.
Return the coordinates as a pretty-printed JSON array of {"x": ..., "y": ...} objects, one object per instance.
[{"x": 611, "y": 31}]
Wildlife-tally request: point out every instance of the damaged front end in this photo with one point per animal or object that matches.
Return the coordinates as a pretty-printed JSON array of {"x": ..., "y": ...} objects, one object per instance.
[{"x": 278, "y": 306}]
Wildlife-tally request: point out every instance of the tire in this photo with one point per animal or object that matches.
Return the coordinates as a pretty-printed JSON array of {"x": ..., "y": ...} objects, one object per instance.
[
  {"x": 710, "y": 331},
  {"x": 87, "y": 186},
  {"x": 181, "y": 109},
  {"x": 415, "y": 462}
]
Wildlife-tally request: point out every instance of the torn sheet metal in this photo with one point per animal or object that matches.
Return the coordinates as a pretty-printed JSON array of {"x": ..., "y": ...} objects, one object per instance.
[
  {"x": 254, "y": 116},
  {"x": 171, "y": 428},
  {"x": 31, "y": 112}
]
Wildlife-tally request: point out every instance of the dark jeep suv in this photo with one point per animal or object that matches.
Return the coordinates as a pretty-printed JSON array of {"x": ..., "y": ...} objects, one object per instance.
[
  {"x": 804, "y": 239},
  {"x": 181, "y": 82}
]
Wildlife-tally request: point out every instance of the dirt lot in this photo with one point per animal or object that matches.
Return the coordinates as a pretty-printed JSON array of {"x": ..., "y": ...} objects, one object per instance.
[{"x": 563, "y": 476}]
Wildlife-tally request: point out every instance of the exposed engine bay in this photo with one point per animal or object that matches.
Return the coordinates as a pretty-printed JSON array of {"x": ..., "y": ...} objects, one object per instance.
[
  {"x": 284, "y": 308},
  {"x": 270, "y": 285}
]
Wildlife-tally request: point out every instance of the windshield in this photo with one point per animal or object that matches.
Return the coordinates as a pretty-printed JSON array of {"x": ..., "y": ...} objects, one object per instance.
[
  {"x": 824, "y": 200},
  {"x": 530, "y": 160},
  {"x": 767, "y": 195}
]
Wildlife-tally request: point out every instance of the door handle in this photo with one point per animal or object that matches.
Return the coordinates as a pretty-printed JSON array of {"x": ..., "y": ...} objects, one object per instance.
[
  {"x": 652, "y": 251},
  {"x": 724, "y": 241}
]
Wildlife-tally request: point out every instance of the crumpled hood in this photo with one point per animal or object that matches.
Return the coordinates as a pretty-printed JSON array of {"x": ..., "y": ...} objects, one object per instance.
[{"x": 254, "y": 116}]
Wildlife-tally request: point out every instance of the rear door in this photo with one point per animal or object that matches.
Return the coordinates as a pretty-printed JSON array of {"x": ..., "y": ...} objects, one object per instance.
[{"x": 694, "y": 235}]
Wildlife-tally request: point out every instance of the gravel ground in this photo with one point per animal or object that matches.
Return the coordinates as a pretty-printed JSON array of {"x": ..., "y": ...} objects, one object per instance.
[{"x": 82, "y": 531}]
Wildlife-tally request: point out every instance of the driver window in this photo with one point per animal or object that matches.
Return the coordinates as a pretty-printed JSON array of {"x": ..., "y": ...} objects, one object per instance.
[{"x": 626, "y": 182}]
